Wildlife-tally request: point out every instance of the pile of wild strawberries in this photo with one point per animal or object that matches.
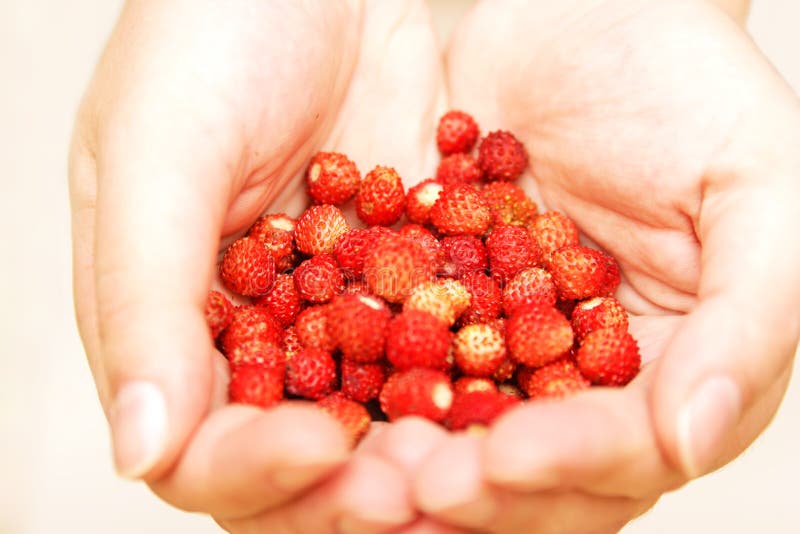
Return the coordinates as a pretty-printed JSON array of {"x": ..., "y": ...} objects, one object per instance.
[{"x": 476, "y": 303}]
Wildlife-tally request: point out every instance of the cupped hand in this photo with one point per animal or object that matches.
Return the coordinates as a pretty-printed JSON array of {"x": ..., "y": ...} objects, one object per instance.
[
  {"x": 200, "y": 116},
  {"x": 665, "y": 134}
]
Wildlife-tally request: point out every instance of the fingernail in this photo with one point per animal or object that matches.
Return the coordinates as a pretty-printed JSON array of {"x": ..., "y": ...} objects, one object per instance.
[
  {"x": 300, "y": 476},
  {"x": 704, "y": 423},
  {"x": 138, "y": 428}
]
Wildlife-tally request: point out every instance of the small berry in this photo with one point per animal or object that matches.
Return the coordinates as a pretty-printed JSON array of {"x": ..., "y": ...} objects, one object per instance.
[
  {"x": 502, "y": 157},
  {"x": 311, "y": 374},
  {"x": 249, "y": 323},
  {"x": 529, "y": 287},
  {"x": 381, "y": 198},
  {"x": 351, "y": 249},
  {"x": 458, "y": 168},
  {"x": 352, "y": 415},
  {"x": 485, "y": 298},
  {"x": 445, "y": 299},
  {"x": 555, "y": 380},
  {"x": 362, "y": 382},
  {"x": 426, "y": 240},
  {"x": 276, "y": 231},
  {"x": 319, "y": 279},
  {"x": 581, "y": 272},
  {"x": 552, "y": 230},
  {"x": 219, "y": 312},
  {"x": 418, "y": 339},
  {"x": 594, "y": 314},
  {"x": 508, "y": 204},
  {"x": 256, "y": 351},
  {"x": 479, "y": 349},
  {"x": 248, "y": 268},
  {"x": 256, "y": 384},
  {"x": 461, "y": 210},
  {"x": 457, "y": 132},
  {"x": 479, "y": 408},
  {"x": 510, "y": 250},
  {"x": 468, "y": 384},
  {"x": 395, "y": 266},
  {"x": 283, "y": 302},
  {"x": 319, "y": 228},
  {"x": 357, "y": 325},
  {"x": 424, "y": 392},
  {"x": 332, "y": 178},
  {"x": 538, "y": 335},
  {"x": 463, "y": 254},
  {"x": 420, "y": 199},
  {"x": 609, "y": 357},
  {"x": 312, "y": 328}
]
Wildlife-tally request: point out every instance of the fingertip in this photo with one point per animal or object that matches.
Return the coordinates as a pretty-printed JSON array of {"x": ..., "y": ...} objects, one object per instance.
[
  {"x": 408, "y": 442},
  {"x": 138, "y": 420}
]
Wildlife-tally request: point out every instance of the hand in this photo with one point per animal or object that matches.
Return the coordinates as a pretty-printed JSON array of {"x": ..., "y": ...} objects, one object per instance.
[
  {"x": 200, "y": 116},
  {"x": 663, "y": 132}
]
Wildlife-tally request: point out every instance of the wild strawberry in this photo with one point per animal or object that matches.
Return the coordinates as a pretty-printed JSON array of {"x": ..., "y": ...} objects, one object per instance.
[
  {"x": 283, "y": 302},
  {"x": 468, "y": 384},
  {"x": 310, "y": 374},
  {"x": 250, "y": 322},
  {"x": 362, "y": 382},
  {"x": 395, "y": 266},
  {"x": 538, "y": 335},
  {"x": 332, "y": 178},
  {"x": 445, "y": 299},
  {"x": 312, "y": 328},
  {"x": 463, "y": 254},
  {"x": 219, "y": 312},
  {"x": 351, "y": 249},
  {"x": 352, "y": 415},
  {"x": 457, "y": 132},
  {"x": 427, "y": 240},
  {"x": 256, "y": 351},
  {"x": 479, "y": 349},
  {"x": 418, "y": 339},
  {"x": 609, "y": 357},
  {"x": 357, "y": 325},
  {"x": 611, "y": 280},
  {"x": 319, "y": 228},
  {"x": 381, "y": 198},
  {"x": 581, "y": 272},
  {"x": 458, "y": 168},
  {"x": 424, "y": 392},
  {"x": 599, "y": 312},
  {"x": 256, "y": 384},
  {"x": 420, "y": 200},
  {"x": 529, "y": 287},
  {"x": 510, "y": 250},
  {"x": 319, "y": 279},
  {"x": 290, "y": 342},
  {"x": 552, "y": 230},
  {"x": 485, "y": 298},
  {"x": 247, "y": 268},
  {"x": 508, "y": 204},
  {"x": 502, "y": 157},
  {"x": 461, "y": 210},
  {"x": 479, "y": 408},
  {"x": 276, "y": 231},
  {"x": 555, "y": 380}
]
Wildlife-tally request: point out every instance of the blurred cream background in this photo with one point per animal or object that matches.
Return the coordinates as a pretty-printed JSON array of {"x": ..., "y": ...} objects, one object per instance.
[{"x": 55, "y": 468}]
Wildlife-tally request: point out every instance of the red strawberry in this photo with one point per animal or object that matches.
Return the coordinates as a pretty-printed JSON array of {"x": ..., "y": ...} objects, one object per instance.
[
  {"x": 424, "y": 392},
  {"x": 256, "y": 351},
  {"x": 352, "y": 415},
  {"x": 502, "y": 157},
  {"x": 530, "y": 287},
  {"x": 479, "y": 408},
  {"x": 381, "y": 198},
  {"x": 581, "y": 272},
  {"x": 362, "y": 382},
  {"x": 479, "y": 349},
  {"x": 468, "y": 384},
  {"x": 485, "y": 298},
  {"x": 256, "y": 384},
  {"x": 283, "y": 302},
  {"x": 312, "y": 328},
  {"x": 418, "y": 339},
  {"x": 538, "y": 335},
  {"x": 357, "y": 325},
  {"x": 609, "y": 357},
  {"x": 463, "y": 254},
  {"x": 461, "y": 210},
  {"x": 250, "y": 322},
  {"x": 457, "y": 132},
  {"x": 552, "y": 230},
  {"x": 319, "y": 228},
  {"x": 276, "y": 231},
  {"x": 597, "y": 313},
  {"x": 510, "y": 250},
  {"x": 319, "y": 279},
  {"x": 420, "y": 200},
  {"x": 351, "y": 249},
  {"x": 395, "y": 266},
  {"x": 445, "y": 299},
  {"x": 427, "y": 241},
  {"x": 332, "y": 178},
  {"x": 311, "y": 374},
  {"x": 555, "y": 380},
  {"x": 247, "y": 268},
  {"x": 290, "y": 342},
  {"x": 508, "y": 204},
  {"x": 219, "y": 312},
  {"x": 458, "y": 168}
]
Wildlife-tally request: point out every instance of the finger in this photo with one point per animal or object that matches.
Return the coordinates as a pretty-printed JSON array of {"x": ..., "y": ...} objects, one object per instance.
[
  {"x": 244, "y": 460},
  {"x": 408, "y": 442}
]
